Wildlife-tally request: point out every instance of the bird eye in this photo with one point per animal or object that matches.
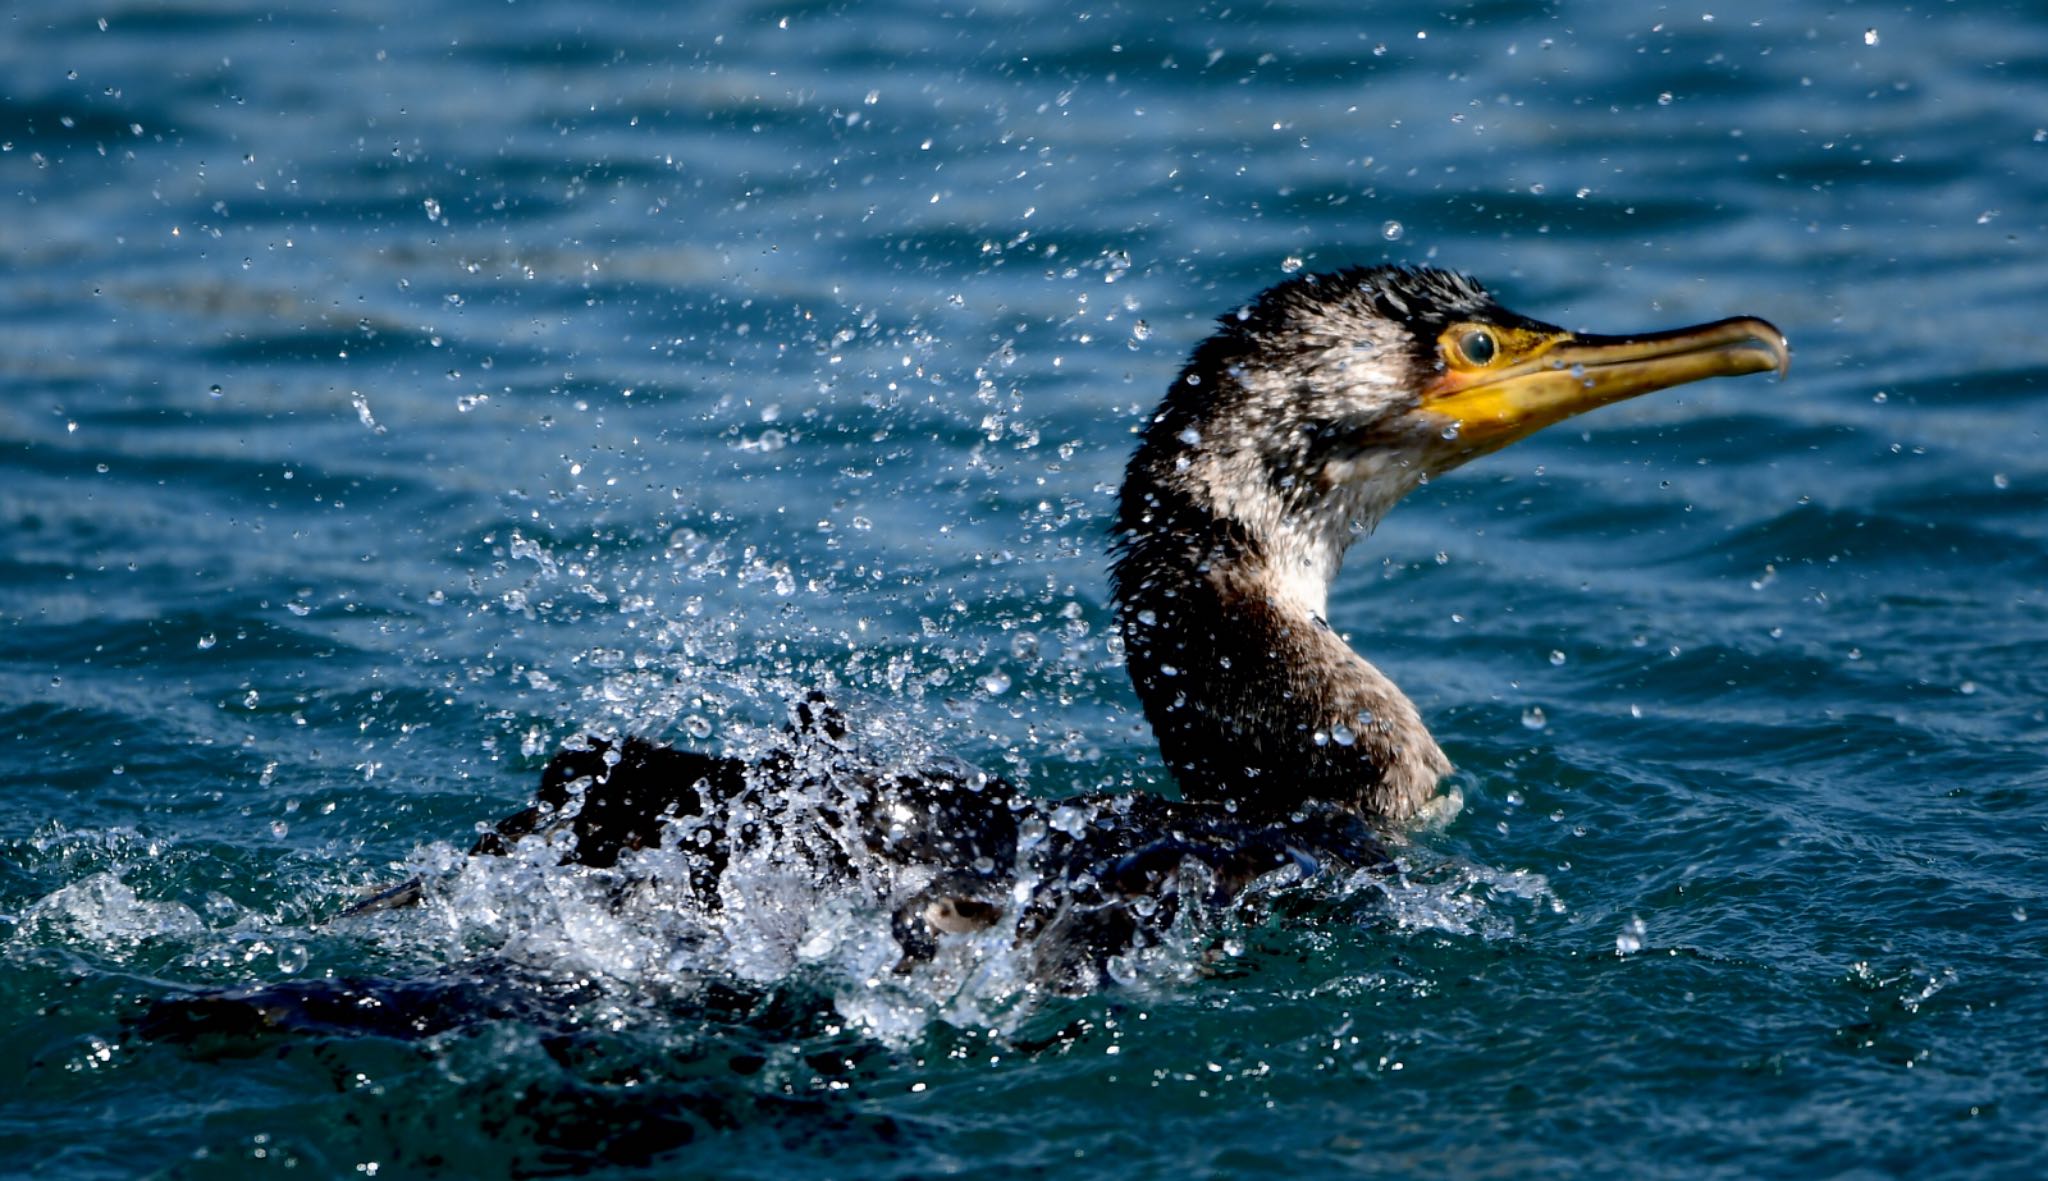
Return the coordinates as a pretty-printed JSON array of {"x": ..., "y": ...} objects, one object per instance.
[{"x": 1477, "y": 346}]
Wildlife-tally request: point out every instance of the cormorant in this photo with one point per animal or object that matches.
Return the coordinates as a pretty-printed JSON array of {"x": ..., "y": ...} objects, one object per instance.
[{"x": 1292, "y": 430}]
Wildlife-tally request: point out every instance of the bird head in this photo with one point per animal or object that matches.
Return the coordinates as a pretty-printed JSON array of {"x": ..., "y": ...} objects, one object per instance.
[{"x": 1320, "y": 404}]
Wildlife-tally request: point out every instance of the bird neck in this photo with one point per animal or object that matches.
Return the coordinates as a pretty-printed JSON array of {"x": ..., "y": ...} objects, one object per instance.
[{"x": 1255, "y": 701}]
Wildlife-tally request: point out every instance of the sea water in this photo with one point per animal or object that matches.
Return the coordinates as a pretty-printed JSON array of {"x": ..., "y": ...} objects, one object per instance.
[{"x": 391, "y": 393}]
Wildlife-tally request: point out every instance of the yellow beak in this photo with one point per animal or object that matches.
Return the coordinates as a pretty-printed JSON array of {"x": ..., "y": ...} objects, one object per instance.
[{"x": 1494, "y": 405}]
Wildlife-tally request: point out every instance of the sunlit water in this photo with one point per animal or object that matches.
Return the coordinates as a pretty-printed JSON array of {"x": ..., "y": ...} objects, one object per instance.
[{"x": 391, "y": 396}]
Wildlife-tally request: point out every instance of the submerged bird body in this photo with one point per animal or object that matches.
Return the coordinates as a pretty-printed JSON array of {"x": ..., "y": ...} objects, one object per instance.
[
  {"x": 942, "y": 848},
  {"x": 1290, "y": 433}
]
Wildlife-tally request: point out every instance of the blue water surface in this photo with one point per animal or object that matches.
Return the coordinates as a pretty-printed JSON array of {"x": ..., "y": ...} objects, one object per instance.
[{"x": 391, "y": 392}]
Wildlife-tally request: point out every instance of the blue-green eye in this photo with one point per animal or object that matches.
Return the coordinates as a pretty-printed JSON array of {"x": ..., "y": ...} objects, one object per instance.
[{"x": 1477, "y": 346}]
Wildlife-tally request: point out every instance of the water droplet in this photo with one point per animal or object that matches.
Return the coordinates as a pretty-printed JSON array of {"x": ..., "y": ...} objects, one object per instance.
[
  {"x": 213, "y": 391},
  {"x": 1664, "y": 99},
  {"x": 996, "y": 683},
  {"x": 1343, "y": 735},
  {"x": 1556, "y": 658},
  {"x": 1290, "y": 264},
  {"x": 1630, "y": 941},
  {"x": 1392, "y": 231},
  {"x": 433, "y": 209},
  {"x": 362, "y": 405},
  {"x": 697, "y": 726},
  {"x": 1141, "y": 331},
  {"x": 1190, "y": 436},
  {"x": 292, "y": 959},
  {"x": 207, "y": 641},
  {"x": 1533, "y": 718},
  {"x": 1870, "y": 36},
  {"x": 2000, "y": 481},
  {"x": 1451, "y": 431}
]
